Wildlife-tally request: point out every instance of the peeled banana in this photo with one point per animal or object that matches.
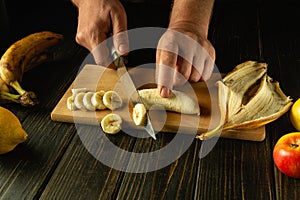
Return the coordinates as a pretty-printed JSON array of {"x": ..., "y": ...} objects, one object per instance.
[
  {"x": 178, "y": 102},
  {"x": 245, "y": 105},
  {"x": 111, "y": 123},
  {"x": 20, "y": 57}
]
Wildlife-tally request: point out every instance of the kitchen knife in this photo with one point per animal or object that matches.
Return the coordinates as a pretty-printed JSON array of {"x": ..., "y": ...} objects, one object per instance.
[{"x": 130, "y": 88}]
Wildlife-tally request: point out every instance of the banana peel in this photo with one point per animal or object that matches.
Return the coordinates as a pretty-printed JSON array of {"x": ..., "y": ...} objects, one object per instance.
[{"x": 248, "y": 99}]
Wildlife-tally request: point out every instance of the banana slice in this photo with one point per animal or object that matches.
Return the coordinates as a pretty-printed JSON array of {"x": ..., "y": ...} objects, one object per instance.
[
  {"x": 70, "y": 103},
  {"x": 97, "y": 100},
  {"x": 78, "y": 101},
  {"x": 111, "y": 123},
  {"x": 87, "y": 101},
  {"x": 78, "y": 90},
  {"x": 112, "y": 100},
  {"x": 139, "y": 114}
]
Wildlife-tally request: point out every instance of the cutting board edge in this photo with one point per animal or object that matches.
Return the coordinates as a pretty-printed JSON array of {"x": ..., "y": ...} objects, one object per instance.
[{"x": 257, "y": 135}]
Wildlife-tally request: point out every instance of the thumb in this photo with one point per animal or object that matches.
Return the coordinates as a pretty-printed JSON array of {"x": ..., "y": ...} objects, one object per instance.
[
  {"x": 121, "y": 43},
  {"x": 120, "y": 34}
]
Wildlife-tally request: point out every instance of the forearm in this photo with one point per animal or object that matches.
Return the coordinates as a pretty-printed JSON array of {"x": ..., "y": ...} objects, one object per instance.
[
  {"x": 77, "y": 2},
  {"x": 192, "y": 14}
]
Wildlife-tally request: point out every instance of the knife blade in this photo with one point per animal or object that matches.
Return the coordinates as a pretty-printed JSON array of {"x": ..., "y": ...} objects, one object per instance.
[{"x": 130, "y": 88}]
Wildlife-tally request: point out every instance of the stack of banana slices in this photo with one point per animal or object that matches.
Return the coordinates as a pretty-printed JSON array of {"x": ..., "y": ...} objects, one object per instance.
[
  {"x": 86, "y": 100},
  {"x": 248, "y": 99},
  {"x": 83, "y": 99}
]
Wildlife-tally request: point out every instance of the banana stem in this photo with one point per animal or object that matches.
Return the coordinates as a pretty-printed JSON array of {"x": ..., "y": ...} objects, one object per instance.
[
  {"x": 216, "y": 131},
  {"x": 27, "y": 99},
  {"x": 16, "y": 85},
  {"x": 10, "y": 97},
  {"x": 213, "y": 133}
]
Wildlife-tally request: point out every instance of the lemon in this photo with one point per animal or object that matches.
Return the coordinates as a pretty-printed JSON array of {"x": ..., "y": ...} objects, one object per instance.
[
  {"x": 11, "y": 131},
  {"x": 295, "y": 115}
]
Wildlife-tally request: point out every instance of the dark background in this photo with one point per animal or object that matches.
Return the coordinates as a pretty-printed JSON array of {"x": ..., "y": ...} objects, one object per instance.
[{"x": 21, "y": 18}]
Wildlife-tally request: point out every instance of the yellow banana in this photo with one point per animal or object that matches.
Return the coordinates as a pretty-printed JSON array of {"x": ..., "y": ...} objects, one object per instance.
[
  {"x": 3, "y": 86},
  {"x": 23, "y": 55}
]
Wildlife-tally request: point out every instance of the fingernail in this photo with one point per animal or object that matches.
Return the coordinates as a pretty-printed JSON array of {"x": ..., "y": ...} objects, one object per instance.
[
  {"x": 122, "y": 48},
  {"x": 165, "y": 92}
]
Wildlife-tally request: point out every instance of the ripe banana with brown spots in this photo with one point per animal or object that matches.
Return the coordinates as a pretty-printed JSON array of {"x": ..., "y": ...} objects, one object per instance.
[{"x": 20, "y": 57}]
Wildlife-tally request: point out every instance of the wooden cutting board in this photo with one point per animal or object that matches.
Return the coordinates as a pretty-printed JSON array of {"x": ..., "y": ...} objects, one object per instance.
[{"x": 95, "y": 77}]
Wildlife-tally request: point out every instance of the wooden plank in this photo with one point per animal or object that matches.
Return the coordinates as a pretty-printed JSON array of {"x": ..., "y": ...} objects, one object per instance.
[
  {"x": 26, "y": 169},
  {"x": 174, "y": 181},
  {"x": 234, "y": 170},
  {"x": 281, "y": 48},
  {"x": 96, "y": 78},
  {"x": 80, "y": 175},
  {"x": 236, "y": 173}
]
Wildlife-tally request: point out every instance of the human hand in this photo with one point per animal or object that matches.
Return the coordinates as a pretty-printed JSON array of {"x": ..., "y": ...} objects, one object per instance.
[
  {"x": 98, "y": 19},
  {"x": 182, "y": 56}
]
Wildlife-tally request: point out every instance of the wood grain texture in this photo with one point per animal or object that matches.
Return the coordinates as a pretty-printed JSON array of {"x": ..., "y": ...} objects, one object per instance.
[
  {"x": 25, "y": 171},
  {"x": 90, "y": 179},
  {"x": 243, "y": 170},
  {"x": 174, "y": 181},
  {"x": 284, "y": 62}
]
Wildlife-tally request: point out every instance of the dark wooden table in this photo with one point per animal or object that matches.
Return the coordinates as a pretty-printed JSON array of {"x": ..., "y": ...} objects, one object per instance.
[{"x": 54, "y": 164}]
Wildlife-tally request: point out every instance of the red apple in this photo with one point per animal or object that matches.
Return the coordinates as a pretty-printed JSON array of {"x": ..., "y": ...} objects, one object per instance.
[{"x": 286, "y": 154}]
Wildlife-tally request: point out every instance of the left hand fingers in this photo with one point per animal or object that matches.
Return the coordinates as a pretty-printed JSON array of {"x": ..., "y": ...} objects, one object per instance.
[
  {"x": 183, "y": 71},
  {"x": 166, "y": 62},
  {"x": 203, "y": 62},
  {"x": 101, "y": 54},
  {"x": 200, "y": 69},
  {"x": 208, "y": 69}
]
